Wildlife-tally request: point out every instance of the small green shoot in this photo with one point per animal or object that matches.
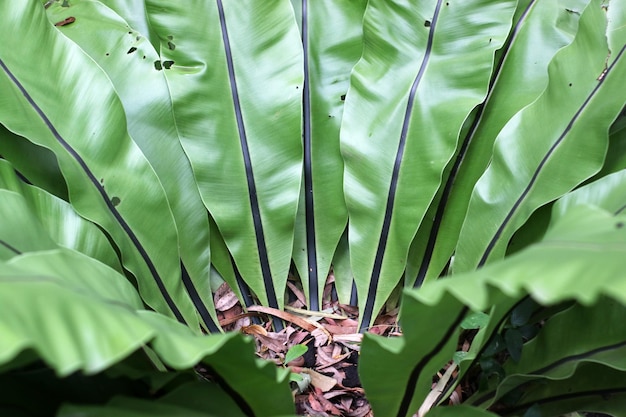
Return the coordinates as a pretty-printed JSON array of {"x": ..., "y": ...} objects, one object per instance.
[
  {"x": 475, "y": 321},
  {"x": 295, "y": 352}
]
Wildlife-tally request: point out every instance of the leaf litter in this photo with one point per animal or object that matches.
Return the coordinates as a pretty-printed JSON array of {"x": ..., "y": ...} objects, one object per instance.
[
  {"x": 327, "y": 381},
  {"x": 330, "y": 383}
]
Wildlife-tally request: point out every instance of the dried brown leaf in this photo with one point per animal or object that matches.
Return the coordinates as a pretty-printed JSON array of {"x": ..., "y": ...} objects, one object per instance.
[
  {"x": 224, "y": 298},
  {"x": 323, "y": 382}
]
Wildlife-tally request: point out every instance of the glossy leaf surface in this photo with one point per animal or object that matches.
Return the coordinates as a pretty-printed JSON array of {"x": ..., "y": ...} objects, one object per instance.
[
  {"x": 329, "y": 56},
  {"x": 236, "y": 85},
  {"x": 409, "y": 96},
  {"x": 565, "y": 149},
  {"x": 110, "y": 182},
  {"x": 519, "y": 77},
  {"x": 52, "y": 218},
  {"x": 128, "y": 59}
]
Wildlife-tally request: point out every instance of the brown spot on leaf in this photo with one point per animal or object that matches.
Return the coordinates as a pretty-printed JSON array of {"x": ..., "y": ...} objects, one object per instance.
[{"x": 66, "y": 21}]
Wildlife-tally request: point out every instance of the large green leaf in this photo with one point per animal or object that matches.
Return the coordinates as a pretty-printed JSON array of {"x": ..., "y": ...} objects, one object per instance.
[
  {"x": 60, "y": 222},
  {"x": 128, "y": 59},
  {"x": 424, "y": 67},
  {"x": 616, "y": 154},
  {"x": 109, "y": 180},
  {"x": 127, "y": 407},
  {"x": 329, "y": 56},
  {"x": 23, "y": 232},
  {"x": 549, "y": 147},
  {"x": 587, "y": 242},
  {"x": 258, "y": 387},
  {"x": 460, "y": 411},
  {"x": 558, "y": 351},
  {"x": 593, "y": 388},
  {"x": 193, "y": 400},
  {"x": 82, "y": 323},
  {"x": 608, "y": 193},
  {"x": 77, "y": 314},
  {"x": 236, "y": 85},
  {"x": 519, "y": 77}
]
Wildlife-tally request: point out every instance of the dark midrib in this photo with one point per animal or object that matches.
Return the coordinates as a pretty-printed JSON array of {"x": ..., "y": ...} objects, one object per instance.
[
  {"x": 543, "y": 162},
  {"x": 577, "y": 357},
  {"x": 238, "y": 398},
  {"x": 546, "y": 368},
  {"x": 252, "y": 192},
  {"x": 197, "y": 300},
  {"x": 445, "y": 196},
  {"x": 9, "y": 247},
  {"x": 22, "y": 177},
  {"x": 244, "y": 289},
  {"x": 603, "y": 393},
  {"x": 384, "y": 235},
  {"x": 103, "y": 194},
  {"x": 417, "y": 370},
  {"x": 308, "y": 169}
]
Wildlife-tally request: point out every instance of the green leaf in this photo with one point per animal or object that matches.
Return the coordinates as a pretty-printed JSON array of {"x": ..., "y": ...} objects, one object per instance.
[
  {"x": 77, "y": 314},
  {"x": 127, "y": 58},
  {"x": 36, "y": 164},
  {"x": 329, "y": 56},
  {"x": 519, "y": 77},
  {"x": 295, "y": 352},
  {"x": 236, "y": 86},
  {"x": 203, "y": 397},
  {"x": 593, "y": 387},
  {"x": 128, "y": 407},
  {"x": 24, "y": 233},
  {"x": 459, "y": 411},
  {"x": 514, "y": 342},
  {"x": 543, "y": 153},
  {"x": 616, "y": 154},
  {"x": 424, "y": 67},
  {"x": 608, "y": 192},
  {"x": 342, "y": 271},
  {"x": 73, "y": 330},
  {"x": 51, "y": 218},
  {"x": 522, "y": 312},
  {"x": 109, "y": 180},
  {"x": 475, "y": 320},
  {"x": 585, "y": 243},
  {"x": 558, "y": 351}
]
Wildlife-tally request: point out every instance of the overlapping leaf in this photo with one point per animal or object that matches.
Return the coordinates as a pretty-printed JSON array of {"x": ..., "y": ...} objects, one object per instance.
[
  {"x": 520, "y": 75},
  {"x": 109, "y": 180},
  {"x": 236, "y": 84},
  {"x": 36, "y": 164},
  {"x": 424, "y": 67},
  {"x": 85, "y": 318},
  {"x": 129, "y": 61},
  {"x": 558, "y": 352},
  {"x": 587, "y": 242},
  {"x": 49, "y": 217},
  {"x": 329, "y": 56},
  {"x": 551, "y": 146}
]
